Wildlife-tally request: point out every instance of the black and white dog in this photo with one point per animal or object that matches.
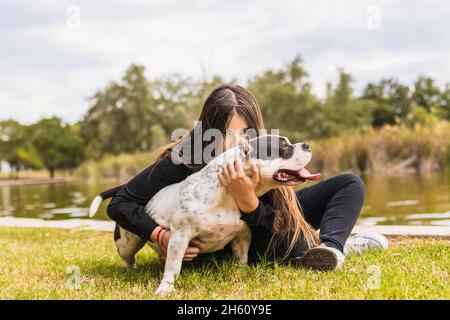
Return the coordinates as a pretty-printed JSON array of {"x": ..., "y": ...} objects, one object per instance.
[{"x": 201, "y": 207}]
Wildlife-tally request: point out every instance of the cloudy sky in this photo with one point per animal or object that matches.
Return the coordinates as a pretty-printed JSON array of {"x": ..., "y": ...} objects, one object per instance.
[{"x": 55, "y": 54}]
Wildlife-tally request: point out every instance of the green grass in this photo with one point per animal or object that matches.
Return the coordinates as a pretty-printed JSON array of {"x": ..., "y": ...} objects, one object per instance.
[{"x": 33, "y": 266}]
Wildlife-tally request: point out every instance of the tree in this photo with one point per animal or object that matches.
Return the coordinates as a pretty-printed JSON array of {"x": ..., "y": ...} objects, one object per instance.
[
  {"x": 444, "y": 108},
  {"x": 11, "y": 137},
  {"x": 105, "y": 125},
  {"x": 124, "y": 115},
  {"x": 341, "y": 111},
  {"x": 426, "y": 94},
  {"x": 15, "y": 146},
  {"x": 392, "y": 101},
  {"x": 343, "y": 91},
  {"x": 58, "y": 145},
  {"x": 116, "y": 120},
  {"x": 139, "y": 107},
  {"x": 285, "y": 99},
  {"x": 175, "y": 101},
  {"x": 139, "y": 115}
]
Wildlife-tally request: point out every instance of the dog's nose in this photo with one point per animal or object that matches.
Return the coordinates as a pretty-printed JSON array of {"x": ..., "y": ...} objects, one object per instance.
[{"x": 305, "y": 146}]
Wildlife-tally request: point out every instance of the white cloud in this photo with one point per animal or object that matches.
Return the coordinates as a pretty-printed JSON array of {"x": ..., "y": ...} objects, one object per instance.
[{"x": 51, "y": 69}]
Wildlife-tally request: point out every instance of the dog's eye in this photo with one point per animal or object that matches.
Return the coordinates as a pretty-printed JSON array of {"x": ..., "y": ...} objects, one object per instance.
[{"x": 283, "y": 144}]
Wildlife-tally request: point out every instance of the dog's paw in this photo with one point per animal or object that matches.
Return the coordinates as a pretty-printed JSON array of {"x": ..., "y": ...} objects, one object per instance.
[
  {"x": 129, "y": 265},
  {"x": 242, "y": 261},
  {"x": 165, "y": 288}
]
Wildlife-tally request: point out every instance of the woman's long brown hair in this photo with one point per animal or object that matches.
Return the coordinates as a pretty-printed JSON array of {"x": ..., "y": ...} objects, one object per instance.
[{"x": 221, "y": 105}]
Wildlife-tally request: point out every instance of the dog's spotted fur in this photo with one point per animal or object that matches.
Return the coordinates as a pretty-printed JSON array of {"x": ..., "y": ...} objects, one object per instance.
[{"x": 201, "y": 207}]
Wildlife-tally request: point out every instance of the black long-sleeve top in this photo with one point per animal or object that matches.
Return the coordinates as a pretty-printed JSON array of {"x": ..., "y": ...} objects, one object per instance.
[{"x": 127, "y": 207}]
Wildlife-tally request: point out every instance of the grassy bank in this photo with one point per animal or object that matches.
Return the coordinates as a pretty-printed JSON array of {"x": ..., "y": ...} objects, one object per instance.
[
  {"x": 391, "y": 149},
  {"x": 118, "y": 168},
  {"x": 35, "y": 174},
  {"x": 34, "y": 263}
]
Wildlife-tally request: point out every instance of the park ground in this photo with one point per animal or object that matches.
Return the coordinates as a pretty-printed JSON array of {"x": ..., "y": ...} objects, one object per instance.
[{"x": 37, "y": 264}]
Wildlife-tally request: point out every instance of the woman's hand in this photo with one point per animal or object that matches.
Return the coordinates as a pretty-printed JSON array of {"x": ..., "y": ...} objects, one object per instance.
[
  {"x": 192, "y": 250},
  {"x": 241, "y": 187}
]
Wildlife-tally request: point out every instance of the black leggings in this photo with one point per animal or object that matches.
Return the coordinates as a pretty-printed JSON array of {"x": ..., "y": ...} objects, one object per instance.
[{"x": 333, "y": 206}]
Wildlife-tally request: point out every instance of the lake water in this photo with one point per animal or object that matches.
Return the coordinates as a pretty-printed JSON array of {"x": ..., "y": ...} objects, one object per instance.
[{"x": 403, "y": 200}]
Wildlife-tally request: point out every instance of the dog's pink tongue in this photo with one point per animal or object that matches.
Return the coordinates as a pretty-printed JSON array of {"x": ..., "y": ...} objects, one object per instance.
[{"x": 304, "y": 173}]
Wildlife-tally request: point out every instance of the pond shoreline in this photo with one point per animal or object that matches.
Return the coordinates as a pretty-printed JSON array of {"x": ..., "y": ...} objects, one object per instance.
[
  {"x": 405, "y": 200},
  {"x": 30, "y": 181},
  {"x": 392, "y": 231}
]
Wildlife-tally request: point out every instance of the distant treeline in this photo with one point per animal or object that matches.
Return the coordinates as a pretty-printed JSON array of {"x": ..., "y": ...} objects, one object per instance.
[
  {"x": 137, "y": 115},
  {"x": 390, "y": 149}
]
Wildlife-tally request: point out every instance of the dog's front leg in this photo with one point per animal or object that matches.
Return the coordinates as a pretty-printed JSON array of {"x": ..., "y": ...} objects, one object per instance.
[
  {"x": 178, "y": 243},
  {"x": 241, "y": 243}
]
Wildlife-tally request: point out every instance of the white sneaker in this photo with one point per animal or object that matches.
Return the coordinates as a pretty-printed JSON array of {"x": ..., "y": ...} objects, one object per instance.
[
  {"x": 362, "y": 242},
  {"x": 321, "y": 258}
]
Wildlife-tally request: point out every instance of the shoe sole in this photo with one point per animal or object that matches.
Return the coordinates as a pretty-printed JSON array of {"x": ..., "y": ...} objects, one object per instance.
[{"x": 318, "y": 259}]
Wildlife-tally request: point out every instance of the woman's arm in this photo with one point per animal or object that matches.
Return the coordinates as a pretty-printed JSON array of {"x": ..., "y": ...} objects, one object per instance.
[
  {"x": 260, "y": 219},
  {"x": 241, "y": 187},
  {"x": 255, "y": 211},
  {"x": 127, "y": 208}
]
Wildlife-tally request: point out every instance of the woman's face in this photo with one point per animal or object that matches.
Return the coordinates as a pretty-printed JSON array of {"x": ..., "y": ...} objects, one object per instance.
[{"x": 236, "y": 127}]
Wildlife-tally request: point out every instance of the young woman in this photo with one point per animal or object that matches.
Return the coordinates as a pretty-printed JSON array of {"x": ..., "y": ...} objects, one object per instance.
[{"x": 283, "y": 222}]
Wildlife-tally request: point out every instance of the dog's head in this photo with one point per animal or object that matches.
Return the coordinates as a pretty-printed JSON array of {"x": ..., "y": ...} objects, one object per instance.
[{"x": 279, "y": 161}]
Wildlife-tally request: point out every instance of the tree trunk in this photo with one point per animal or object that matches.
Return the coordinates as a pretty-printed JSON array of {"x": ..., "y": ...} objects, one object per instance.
[
  {"x": 52, "y": 173},
  {"x": 14, "y": 173}
]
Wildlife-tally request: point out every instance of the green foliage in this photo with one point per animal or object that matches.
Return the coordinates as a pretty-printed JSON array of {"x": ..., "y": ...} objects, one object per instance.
[
  {"x": 16, "y": 147},
  {"x": 12, "y": 138},
  {"x": 285, "y": 98},
  {"x": 426, "y": 93},
  {"x": 287, "y": 104},
  {"x": 118, "y": 168},
  {"x": 29, "y": 157},
  {"x": 420, "y": 116},
  {"x": 392, "y": 101},
  {"x": 137, "y": 115},
  {"x": 57, "y": 146},
  {"x": 49, "y": 143}
]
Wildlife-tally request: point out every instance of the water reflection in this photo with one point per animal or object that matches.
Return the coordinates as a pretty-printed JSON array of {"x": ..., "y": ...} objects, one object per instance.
[
  {"x": 49, "y": 201},
  {"x": 407, "y": 200}
]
